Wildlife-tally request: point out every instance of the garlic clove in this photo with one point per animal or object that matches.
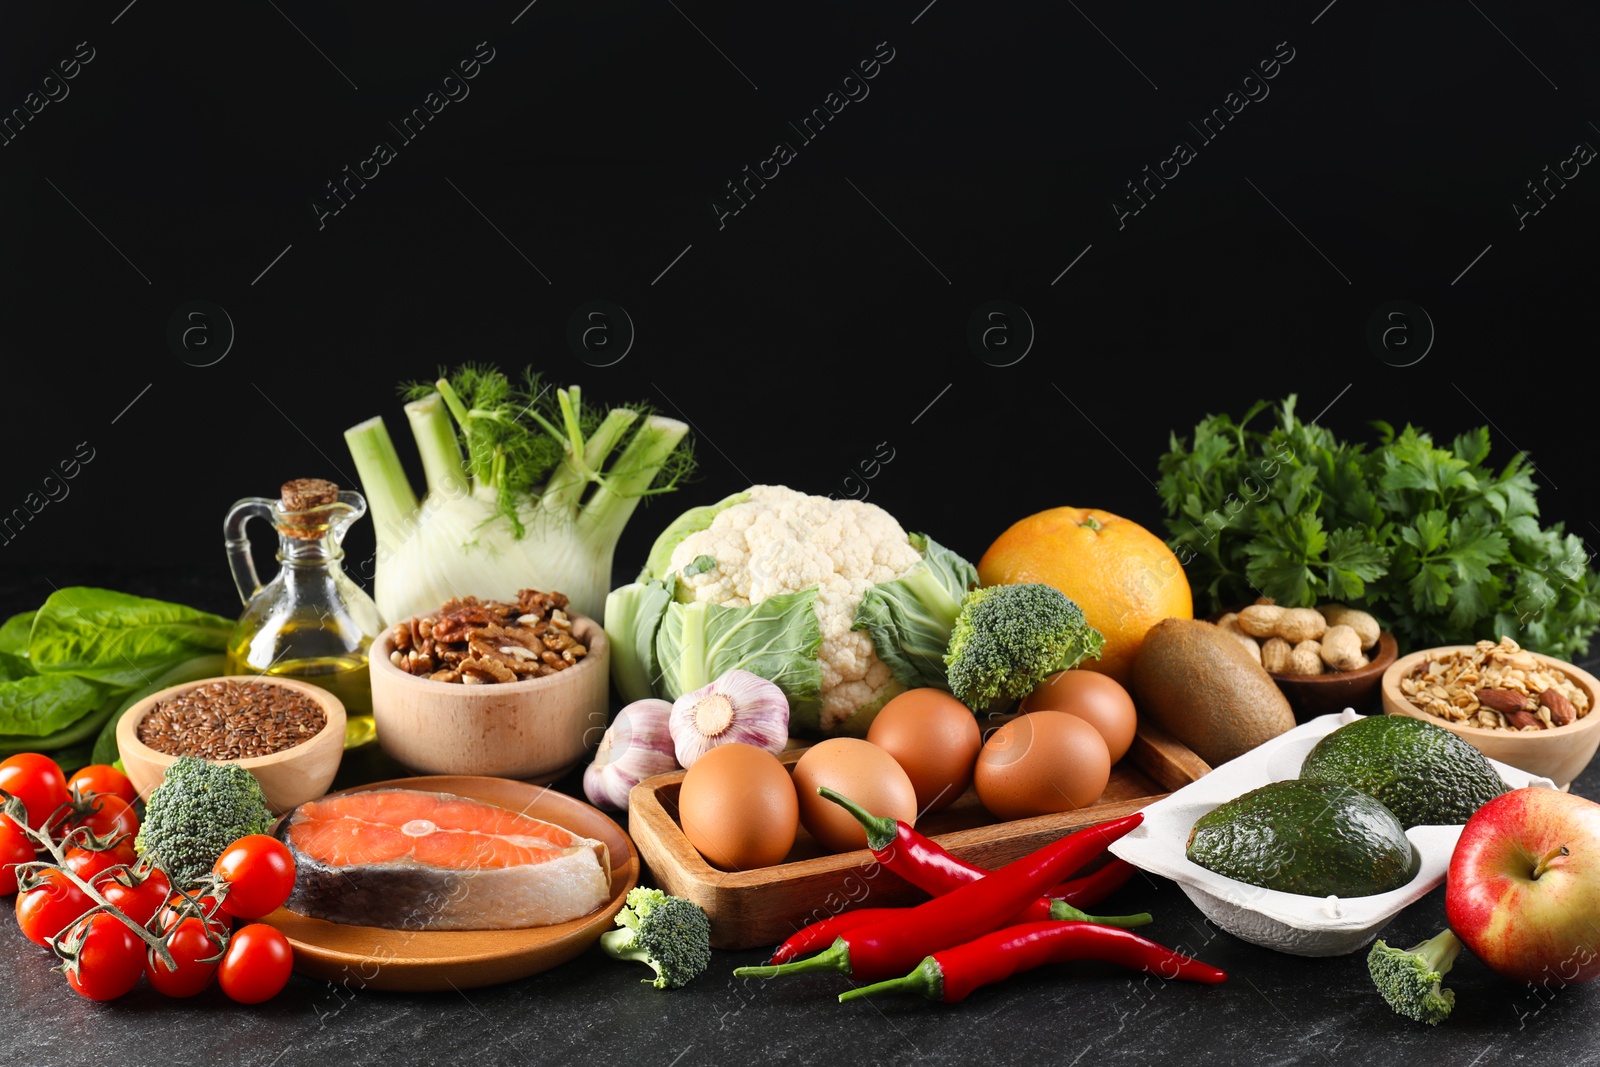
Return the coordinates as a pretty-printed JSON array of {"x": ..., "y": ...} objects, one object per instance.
[
  {"x": 737, "y": 707},
  {"x": 636, "y": 746}
]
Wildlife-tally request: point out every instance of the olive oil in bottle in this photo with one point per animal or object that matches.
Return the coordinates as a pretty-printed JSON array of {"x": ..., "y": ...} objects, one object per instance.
[{"x": 310, "y": 622}]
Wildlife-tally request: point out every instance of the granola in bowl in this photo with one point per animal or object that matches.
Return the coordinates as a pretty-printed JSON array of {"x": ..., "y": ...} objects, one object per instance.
[{"x": 1495, "y": 686}]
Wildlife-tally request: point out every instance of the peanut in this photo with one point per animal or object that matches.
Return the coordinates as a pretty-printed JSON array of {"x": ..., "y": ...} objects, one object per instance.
[
  {"x": 1260, "y": 620},
  {"x": 1362, "y": 623},
  {"x": 1275, "y": 655},
  {"x": 1341, "y": 649},
  {"x": 1305, "y": 659},
  {"x": 1301, "y": 624}
]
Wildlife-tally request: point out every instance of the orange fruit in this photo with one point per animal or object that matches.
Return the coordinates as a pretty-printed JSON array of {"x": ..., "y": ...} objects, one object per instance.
[{"x": 1123, "y": 576}]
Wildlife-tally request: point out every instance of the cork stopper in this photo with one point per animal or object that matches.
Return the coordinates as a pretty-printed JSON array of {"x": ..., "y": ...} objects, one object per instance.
[{"x": 304, "y": 494}]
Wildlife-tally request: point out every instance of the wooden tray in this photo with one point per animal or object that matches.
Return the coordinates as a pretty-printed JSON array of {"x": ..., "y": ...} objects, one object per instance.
[
  {"x": 762, "y": 907},
  {"x": 370, "y": 957}
]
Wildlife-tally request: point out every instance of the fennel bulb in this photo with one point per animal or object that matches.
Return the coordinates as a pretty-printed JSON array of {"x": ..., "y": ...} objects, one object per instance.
[{"x": 523, "y": 492}]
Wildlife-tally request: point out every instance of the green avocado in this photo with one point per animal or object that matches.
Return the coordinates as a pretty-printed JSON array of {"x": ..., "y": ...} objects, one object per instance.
[
  {"x": 1423, "y": 773},
  {"x": 1315, "y": 838}
]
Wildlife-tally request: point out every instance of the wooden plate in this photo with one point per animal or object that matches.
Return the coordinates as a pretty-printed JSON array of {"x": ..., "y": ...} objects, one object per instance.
[{"x": 370, "y": 957}]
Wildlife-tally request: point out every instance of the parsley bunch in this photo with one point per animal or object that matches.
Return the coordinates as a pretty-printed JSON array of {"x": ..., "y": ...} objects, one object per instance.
[{"x": 1440, "y": 547}]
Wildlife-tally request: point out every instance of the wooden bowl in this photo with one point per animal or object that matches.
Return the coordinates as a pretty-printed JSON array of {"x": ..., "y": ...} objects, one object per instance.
[
  {"x": 1558, "y": 754},
  {"x": 290, "y": 777},
  {"x": 535, "y": 730},
  {"x": 1311, "y": 695}
]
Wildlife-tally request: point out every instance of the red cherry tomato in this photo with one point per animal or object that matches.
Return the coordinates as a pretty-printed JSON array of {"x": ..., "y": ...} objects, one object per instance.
[
  {"x": 260, "y": 875},
  {"x": 107, "y": 816},
  {"x": 138, "y": 902},
  {"x": 50, "y": 907},
  {"x": 110, "y": 962},
  {"x": 174, "y": 911},
  {"x": 15, "y": 847},
  {"x": 257, "y": 965},
  {"x": 90, "y": 865},
  {"x": 191, "y": 945},
  {"x": 37, "y": 782},
  {"x": 102, "y": 778}
]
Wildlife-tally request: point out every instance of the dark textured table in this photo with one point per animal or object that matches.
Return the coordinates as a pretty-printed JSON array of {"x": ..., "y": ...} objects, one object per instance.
[{"x": 1275, "y": 1009}]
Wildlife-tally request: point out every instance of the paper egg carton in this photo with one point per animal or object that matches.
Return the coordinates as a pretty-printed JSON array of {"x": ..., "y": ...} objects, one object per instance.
[{"x": 1288, "y": 922}]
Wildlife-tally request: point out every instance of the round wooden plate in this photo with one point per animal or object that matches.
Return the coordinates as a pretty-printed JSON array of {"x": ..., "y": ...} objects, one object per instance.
[{"x": 370, "y": 957}]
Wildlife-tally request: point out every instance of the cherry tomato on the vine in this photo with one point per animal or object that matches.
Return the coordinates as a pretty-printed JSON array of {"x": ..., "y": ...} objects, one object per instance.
[
  {"x": 102, "y": 778},
  {"x": 51, "y": 906},
  {"x": 257, "y": 964},
  {"x": 174, "y": 910},
  {"x": 260, "y": 875},
  {"x": 35, "y": 780},
  {"x": 191, "y": 945},
  {"x": 89, "y": 865},
  {"x": 107, "y": 816},
  {"x": 138, "y": 902},
  {"x": 15, "y": 847},
  {"x": 110, "y": 960}
]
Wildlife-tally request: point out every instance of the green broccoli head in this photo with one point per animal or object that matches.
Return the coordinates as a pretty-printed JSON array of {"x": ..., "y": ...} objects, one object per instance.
[
  {"x": 670, "y": 934},
  {"x": 1409, "y": 979},
  {"x": 1009, "y": 638},
  {"x": 198, "y": 810}
]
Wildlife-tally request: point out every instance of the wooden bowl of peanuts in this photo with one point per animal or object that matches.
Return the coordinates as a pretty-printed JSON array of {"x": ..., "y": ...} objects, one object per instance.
[
  {"x": 534, "y": 729},
  {"x": 1540, "y": 708},
  {"x": 1324, "y": 659}
]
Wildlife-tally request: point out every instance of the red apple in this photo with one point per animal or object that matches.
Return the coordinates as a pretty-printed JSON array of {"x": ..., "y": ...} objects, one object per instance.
[{"x": 1523, "y": 890}]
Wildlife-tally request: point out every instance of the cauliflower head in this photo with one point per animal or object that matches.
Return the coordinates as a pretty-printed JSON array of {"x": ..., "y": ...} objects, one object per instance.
[{"x": 779, "y": 540}]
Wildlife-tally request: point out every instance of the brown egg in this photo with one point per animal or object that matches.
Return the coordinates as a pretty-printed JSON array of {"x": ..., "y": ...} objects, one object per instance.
[
  {"x": 935, "y": 739},
  {"x": 737, "y": 807},
  {"x": 856, "y": 769},
  {"x": 1042, "y": 763},
  {"x": 1095, "y": 698}
]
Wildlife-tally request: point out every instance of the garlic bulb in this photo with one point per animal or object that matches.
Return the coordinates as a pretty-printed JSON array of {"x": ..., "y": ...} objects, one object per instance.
[
  {"x": 636, "y": 745},
  {"x": 739, "y": 706}
]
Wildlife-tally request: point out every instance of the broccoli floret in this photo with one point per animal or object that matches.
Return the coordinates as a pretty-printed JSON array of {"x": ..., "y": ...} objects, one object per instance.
[
  {"x": 670, "y": 934},
  {"x": 1409, "y": 980},
  {"x": 1009, "y": 638},
  {"x": 198, "y": 810}
]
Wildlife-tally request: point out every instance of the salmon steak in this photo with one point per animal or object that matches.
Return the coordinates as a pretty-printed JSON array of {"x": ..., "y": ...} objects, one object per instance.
[{"x": 404, "y": 859}]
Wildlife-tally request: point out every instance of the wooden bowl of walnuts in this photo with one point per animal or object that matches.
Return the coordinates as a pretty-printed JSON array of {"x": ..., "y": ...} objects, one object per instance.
[{"x": 1325, "y": 659}]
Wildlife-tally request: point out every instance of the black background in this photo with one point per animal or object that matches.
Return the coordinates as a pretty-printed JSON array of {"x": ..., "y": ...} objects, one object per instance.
[{"x": 806, "y": 329}]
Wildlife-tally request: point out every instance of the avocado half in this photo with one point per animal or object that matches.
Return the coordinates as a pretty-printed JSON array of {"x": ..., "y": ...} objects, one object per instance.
[
  {"x": 1423, "y": 773},
  {"x": 1309, "y": 837}
]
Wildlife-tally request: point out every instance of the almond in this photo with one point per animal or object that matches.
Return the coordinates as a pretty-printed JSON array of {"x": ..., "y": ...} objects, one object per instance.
[
  {"x": 1561, "y": 710},
  {"x": 1505, "y": 701}
]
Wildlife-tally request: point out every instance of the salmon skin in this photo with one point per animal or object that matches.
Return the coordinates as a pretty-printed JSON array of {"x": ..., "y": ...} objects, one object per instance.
[{"x": 404, "y": 859}]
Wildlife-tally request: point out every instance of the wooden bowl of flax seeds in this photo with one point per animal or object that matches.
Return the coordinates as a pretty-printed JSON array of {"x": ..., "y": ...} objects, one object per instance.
[{"x": 287, "y": 733}]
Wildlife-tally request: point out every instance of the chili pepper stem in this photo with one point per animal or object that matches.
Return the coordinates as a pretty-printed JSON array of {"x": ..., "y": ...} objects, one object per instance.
[
  {"x": 927, "y": 979},
  {"x": 1060, "y": 909},
  {"x": 880, "y": 828},
  {"x": 835, "y": 958}
]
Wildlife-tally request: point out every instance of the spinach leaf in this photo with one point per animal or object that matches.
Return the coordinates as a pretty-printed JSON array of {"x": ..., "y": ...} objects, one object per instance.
[{"x": 121, "y": 640}]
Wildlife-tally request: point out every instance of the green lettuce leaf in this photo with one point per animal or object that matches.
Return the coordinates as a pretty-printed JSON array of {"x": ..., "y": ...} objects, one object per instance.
[
  {"x": 120, "y": 640},
  {"x": 41, "y": 704},
  {"x": 14, "y": 633},
  {"x": 778, "y": 639},
  {"x": 909, "y": 619}
]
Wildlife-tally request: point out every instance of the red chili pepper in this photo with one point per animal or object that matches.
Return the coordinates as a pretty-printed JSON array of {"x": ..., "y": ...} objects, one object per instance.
[
  {"x": 953, "y": 974},
  {"x": 927, "y": 865},
  {"x": 819, "y": 935},
  {"x": 894, "y": 944}
]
